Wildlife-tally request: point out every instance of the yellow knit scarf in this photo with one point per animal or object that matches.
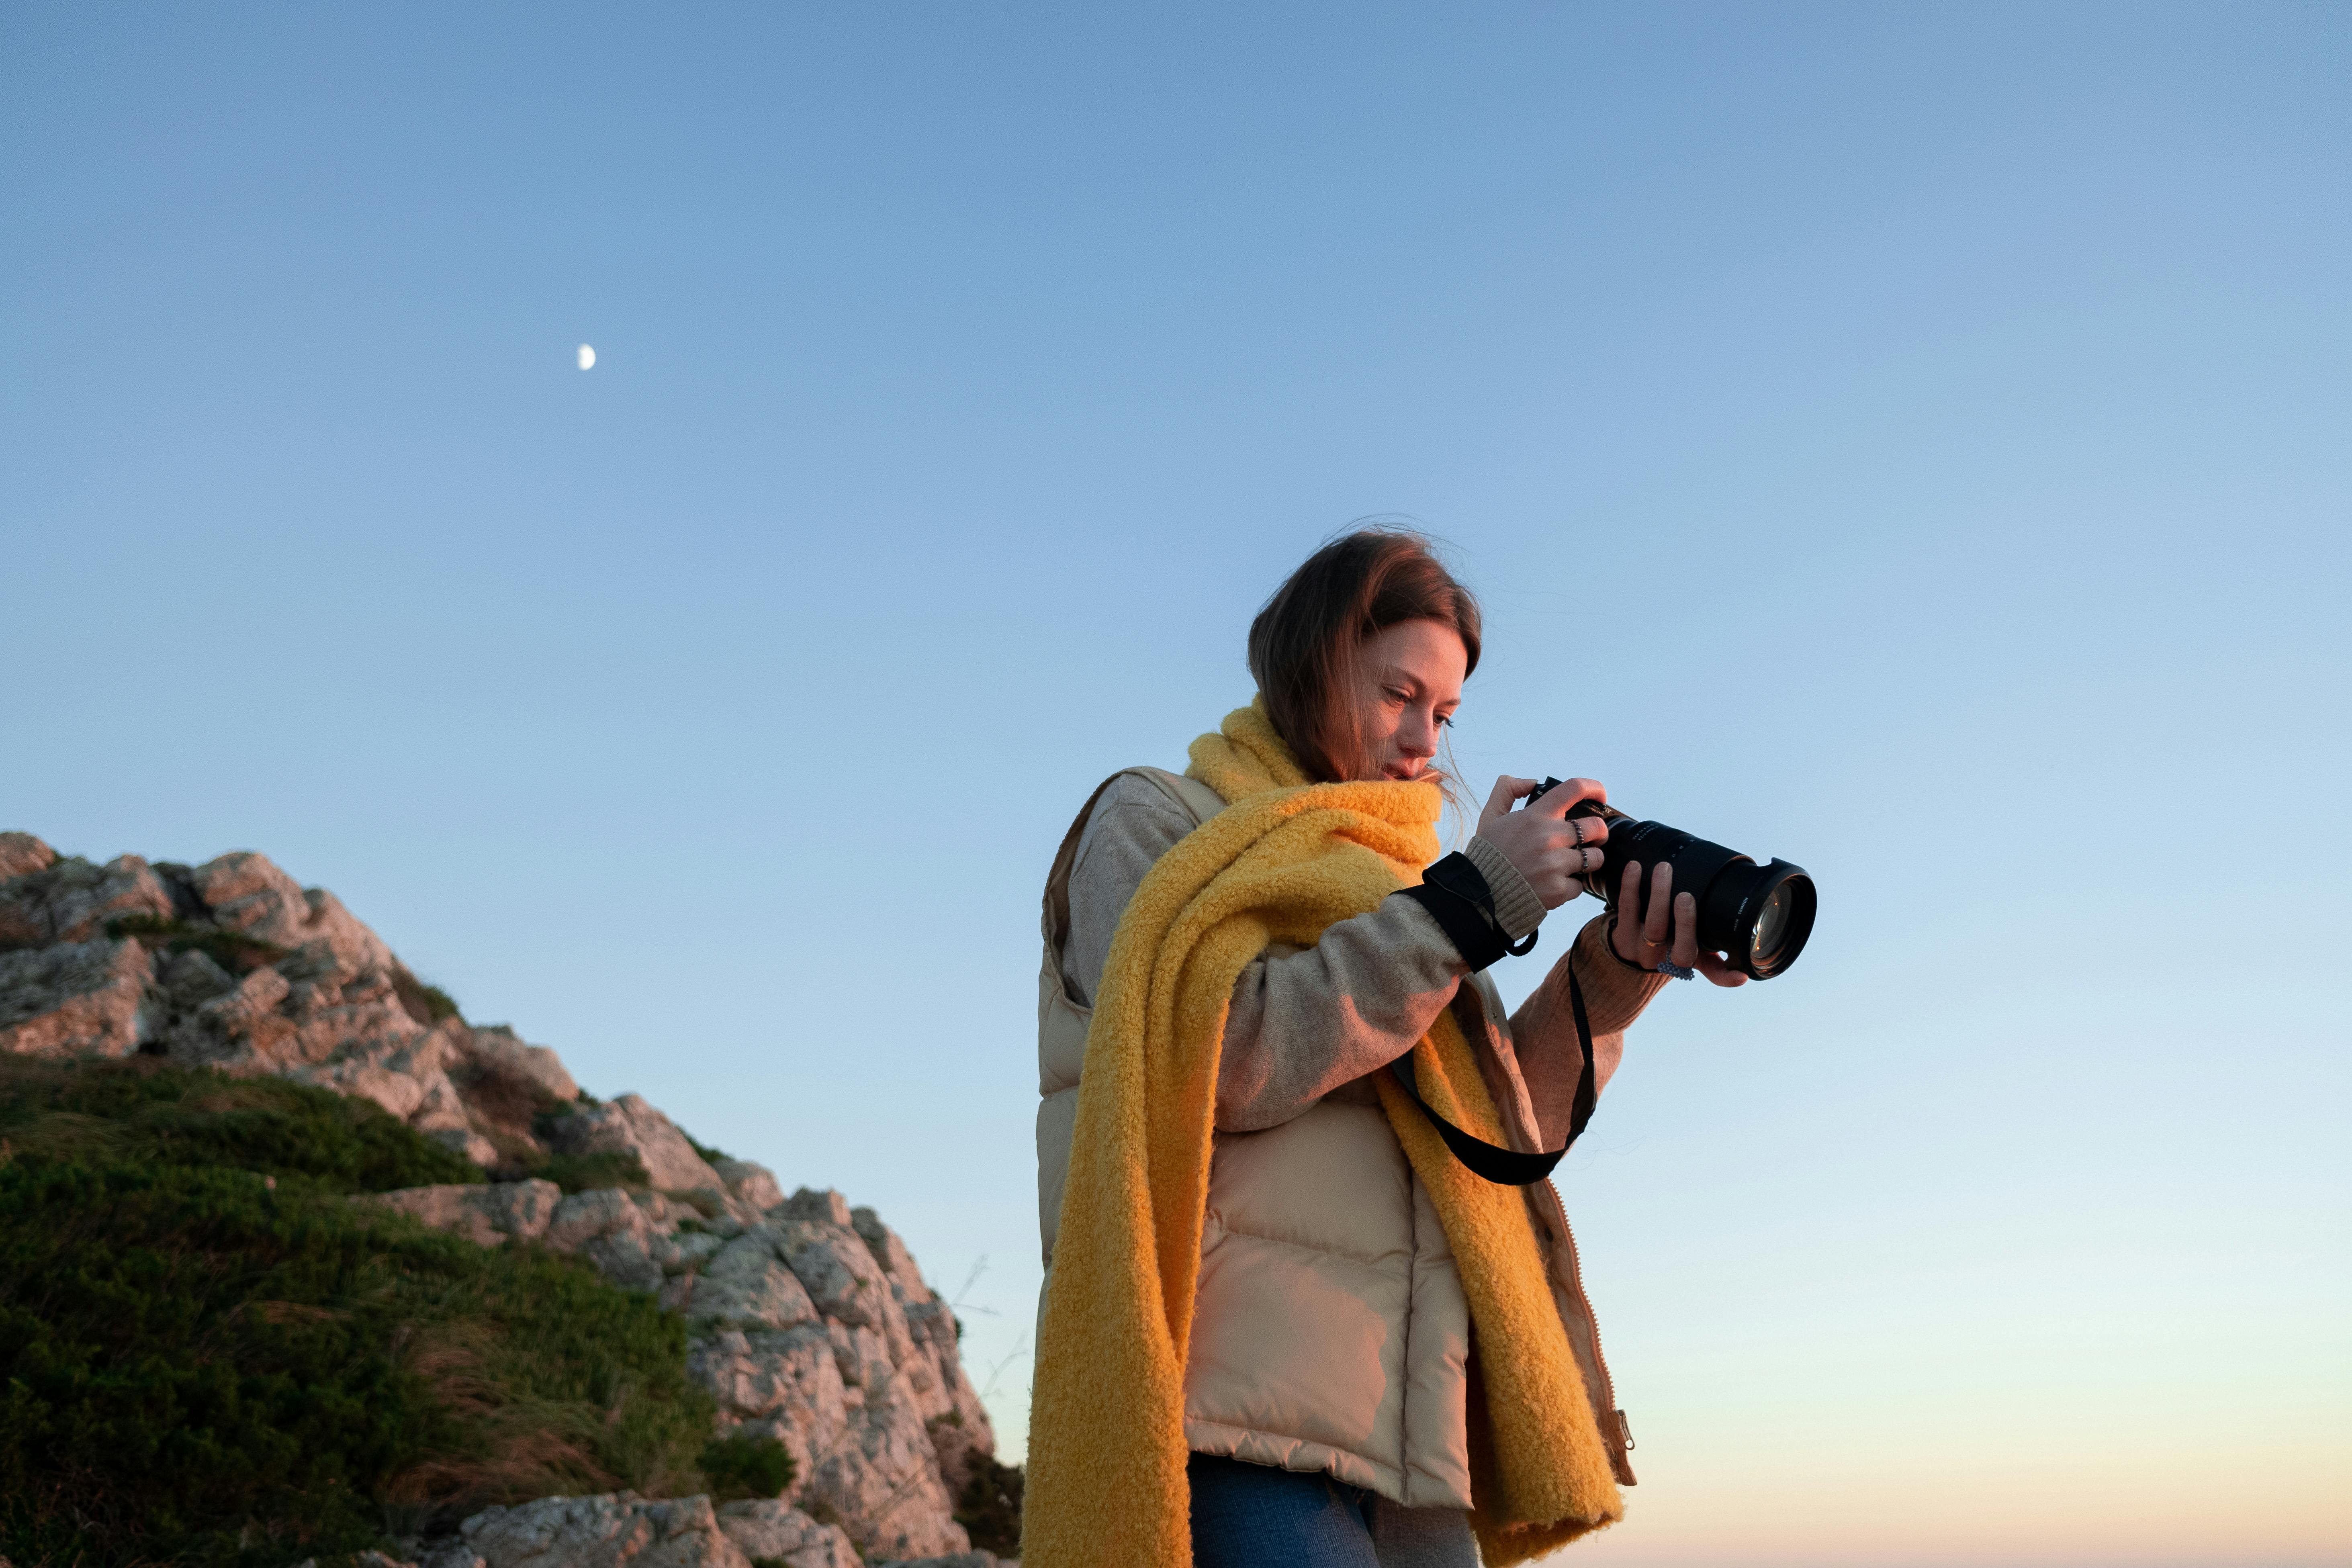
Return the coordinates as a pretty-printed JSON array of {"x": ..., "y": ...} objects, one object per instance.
[{"x": 1106, "y": 1479}]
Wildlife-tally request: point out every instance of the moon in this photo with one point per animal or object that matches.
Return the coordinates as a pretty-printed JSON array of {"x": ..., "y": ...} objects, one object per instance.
[{"x": 587, "y": 357}]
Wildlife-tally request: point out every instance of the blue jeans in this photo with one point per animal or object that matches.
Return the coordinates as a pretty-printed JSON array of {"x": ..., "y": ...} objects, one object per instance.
[{"x": 1255, "y": 1516}]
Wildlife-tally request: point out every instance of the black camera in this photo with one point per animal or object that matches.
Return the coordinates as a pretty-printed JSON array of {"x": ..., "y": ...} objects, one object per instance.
[{"x": 1758, "y": 916}]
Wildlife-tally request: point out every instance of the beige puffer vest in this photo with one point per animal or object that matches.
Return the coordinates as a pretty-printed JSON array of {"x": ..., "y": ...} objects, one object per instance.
[{"x": 1329, "y": 1332}]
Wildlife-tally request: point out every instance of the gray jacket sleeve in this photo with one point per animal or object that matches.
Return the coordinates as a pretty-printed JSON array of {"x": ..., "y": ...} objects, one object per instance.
[{"x": 1303, "y": 1023}]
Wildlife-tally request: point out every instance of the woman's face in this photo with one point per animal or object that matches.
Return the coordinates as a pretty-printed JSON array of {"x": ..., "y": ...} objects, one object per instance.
[{"x": 1413, "y": 674}]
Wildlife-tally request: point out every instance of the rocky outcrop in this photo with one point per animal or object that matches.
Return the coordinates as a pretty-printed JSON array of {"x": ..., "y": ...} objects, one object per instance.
[
  {"x": 21, "y": 854},
  {"x": 611, "y": 1531},
  {"x": 490, "y": 1215},
  {"x": 768, "y": 1532},
  {"x": 53, "y": 901},
  {"x": 809, "y": 1321},
  {"x": 501, "y": 1047},
  {"x": 88, "y": 998},
  {"x": 629, "y": 1126},
  {"x": 833, "y": 1344},
  {"x": 232, "y": 964},
  {"x": 811, "y": 1325},
  {"x": 622, "y": 1530}
]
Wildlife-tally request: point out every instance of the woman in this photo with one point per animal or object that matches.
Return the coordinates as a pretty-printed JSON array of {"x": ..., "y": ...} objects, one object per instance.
[{"x": 1285, "y": 1325}]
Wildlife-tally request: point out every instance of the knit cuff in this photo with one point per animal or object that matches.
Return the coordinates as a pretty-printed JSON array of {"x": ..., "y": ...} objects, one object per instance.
[
  {"x": 1608, "y": 924},
  {"x": 1516, "y": 908},
  {"x": 1615, "y": 992}
]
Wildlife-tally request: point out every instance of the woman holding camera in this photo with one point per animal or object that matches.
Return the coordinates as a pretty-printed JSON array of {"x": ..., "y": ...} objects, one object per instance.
[{"x": 1285, "y": 1322}]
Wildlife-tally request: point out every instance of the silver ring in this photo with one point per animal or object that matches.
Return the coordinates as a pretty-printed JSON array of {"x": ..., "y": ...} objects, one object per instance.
[
  {"x": 1677, "y": 971},
  {"x": 1577, "y": 824}
]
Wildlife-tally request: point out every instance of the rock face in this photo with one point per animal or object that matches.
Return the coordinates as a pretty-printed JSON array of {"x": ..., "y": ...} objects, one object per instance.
[
  {"x": 833, "y": 1344},
  {"x": 499, "y": 1044},
  {"x": 629, "y": 1126},
  {"x": 808, "y": 1320},
  {"x": 769, "y": 1531},
  {"x": 606, "y": 1531},
  {"x": 622, "y": 1530},
  {"x": 77, "y": 997},
  {"x": 490, "y": 1215},
  {"x": 232, "y": 964},
  {"x": 811, "y": 1325},
  {"x": 52, "y": 900}
]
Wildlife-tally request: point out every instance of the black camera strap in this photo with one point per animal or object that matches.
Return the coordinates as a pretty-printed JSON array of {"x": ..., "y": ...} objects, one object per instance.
[{"x": 1509, "y": 1167}]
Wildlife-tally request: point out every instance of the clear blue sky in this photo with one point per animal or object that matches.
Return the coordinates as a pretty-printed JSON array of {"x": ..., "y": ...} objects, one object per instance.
[{"x": 1916, "y": 441}]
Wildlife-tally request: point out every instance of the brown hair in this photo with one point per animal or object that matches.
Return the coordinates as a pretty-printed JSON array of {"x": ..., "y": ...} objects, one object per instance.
[{"x": 1304, "y": 646}]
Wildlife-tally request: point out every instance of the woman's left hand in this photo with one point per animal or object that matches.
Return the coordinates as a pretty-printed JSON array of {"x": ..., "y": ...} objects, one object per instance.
[{"x": 1649, "y": 943}]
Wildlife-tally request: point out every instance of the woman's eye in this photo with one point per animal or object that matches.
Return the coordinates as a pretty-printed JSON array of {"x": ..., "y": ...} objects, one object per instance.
[{"x": 1446, "y": 720}]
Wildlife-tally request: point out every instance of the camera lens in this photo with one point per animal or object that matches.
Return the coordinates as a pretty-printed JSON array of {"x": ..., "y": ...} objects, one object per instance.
[
  {"x": 1780, "y": 897},
  {"x": 1772, "y": 923},
  {"x": 1758, "y": 917}
]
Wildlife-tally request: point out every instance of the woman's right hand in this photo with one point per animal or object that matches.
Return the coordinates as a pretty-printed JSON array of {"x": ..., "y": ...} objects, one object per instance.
[{"x": 1547, "y": 848}]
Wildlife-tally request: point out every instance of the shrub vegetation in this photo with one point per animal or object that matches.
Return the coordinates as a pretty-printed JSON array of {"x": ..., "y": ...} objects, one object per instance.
[
  {"x": 208, "y": 1356},
  {"x": 143, "y": 1111},
  {"x": 990, "y": 1508},
  {"x": 588, "y": 1173},
  {"x": 739, "y": 1466}
]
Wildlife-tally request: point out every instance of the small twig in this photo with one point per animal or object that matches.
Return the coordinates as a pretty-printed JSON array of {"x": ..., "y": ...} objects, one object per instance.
[
  {"x": 961, "y": 1302},
  {"x": 997, "y": 1370}
]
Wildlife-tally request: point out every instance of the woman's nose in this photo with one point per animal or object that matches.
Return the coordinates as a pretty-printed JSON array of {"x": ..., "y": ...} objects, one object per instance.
[{"x": 1417, "y": 737}]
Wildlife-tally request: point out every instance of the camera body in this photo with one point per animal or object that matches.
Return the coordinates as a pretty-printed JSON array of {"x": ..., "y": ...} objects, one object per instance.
[{"x": 1758, "y": 916}]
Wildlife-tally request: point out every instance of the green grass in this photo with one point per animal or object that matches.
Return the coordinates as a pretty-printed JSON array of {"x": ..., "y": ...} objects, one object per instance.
[
  {"x": 143, "y": 1111},
  {"x": 210, "y": 1357}
]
